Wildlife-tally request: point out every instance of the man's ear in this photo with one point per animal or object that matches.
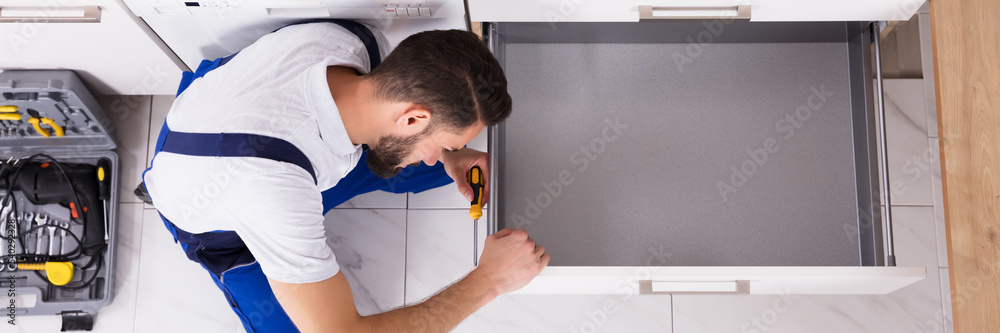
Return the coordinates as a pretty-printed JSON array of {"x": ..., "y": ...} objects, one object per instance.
[{"x": 414, "y": 120}]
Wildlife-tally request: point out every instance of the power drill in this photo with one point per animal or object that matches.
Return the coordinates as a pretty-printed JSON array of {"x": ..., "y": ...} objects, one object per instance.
[{"x": 42, "y": 183}]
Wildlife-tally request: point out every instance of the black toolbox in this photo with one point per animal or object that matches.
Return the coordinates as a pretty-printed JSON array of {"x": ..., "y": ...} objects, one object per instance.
[{"x": 47, "y": 219}]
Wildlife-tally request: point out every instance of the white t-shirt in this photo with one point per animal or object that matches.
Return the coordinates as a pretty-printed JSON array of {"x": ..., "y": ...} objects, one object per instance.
[{"x": 276, "y": 87}]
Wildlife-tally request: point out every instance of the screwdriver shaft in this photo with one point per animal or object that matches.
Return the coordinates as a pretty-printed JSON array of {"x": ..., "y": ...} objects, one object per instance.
[{"x": 475, "y": 242}]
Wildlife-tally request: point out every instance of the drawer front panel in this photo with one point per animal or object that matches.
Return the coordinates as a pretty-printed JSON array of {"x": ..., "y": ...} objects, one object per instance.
[
  {"x": 629, "y": 11},
  {"x": 713, "y": 280}
]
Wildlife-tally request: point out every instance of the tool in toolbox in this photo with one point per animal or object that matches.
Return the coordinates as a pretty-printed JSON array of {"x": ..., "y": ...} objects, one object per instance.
[
  {"x": 37, "y": 120},
  {"x": 62, "y": 238},
  {"x": 40, "y": 221},
  {"x": 8, "y": 117},
  {"x": 58, "y": 272},
  {"x": 28, "y": 218},
  {"x": 104, "y": 189},
  {"x": 475, "y": 178},
  {"x": 52, "y": 238},
  {"x": 46, "y": 183}
]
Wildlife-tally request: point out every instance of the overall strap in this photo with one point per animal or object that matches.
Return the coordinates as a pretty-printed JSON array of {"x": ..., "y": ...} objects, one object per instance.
[{"x": 236, "y": 145}]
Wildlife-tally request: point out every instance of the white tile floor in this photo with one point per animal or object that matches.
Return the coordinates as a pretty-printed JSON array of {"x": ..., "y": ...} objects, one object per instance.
[{"x": 399, "y": 249}]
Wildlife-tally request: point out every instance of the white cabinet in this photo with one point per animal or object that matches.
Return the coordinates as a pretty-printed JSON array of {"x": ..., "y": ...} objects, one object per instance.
[
  {"x": 834, "y": 10},
  {"x": 219, "y": 29},
  {"x": 628, "y": 10},
  {"x": 114, "y": 54},
  {"x": 575, "y": 10}
]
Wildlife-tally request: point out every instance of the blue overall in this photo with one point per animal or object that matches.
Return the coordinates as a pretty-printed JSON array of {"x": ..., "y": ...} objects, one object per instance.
[{"x": 223, "y": 253}]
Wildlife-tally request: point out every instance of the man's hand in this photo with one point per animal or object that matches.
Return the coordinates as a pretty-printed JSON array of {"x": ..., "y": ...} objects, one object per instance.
[
  {"x": 510, "y": 260},
  {"x": 457, "y": 165}
]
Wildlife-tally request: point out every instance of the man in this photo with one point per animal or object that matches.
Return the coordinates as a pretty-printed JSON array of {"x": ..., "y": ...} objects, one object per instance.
[{"x": 259, "y": 145}]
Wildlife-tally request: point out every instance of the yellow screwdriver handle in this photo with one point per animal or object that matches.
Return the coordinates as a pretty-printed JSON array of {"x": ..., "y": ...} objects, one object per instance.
[
  {"x": 8, "y": 108},
  {"x": 476, "y": 181},
  {"x": 10, "y": 116},
  {"x": 59, "y": 272}
]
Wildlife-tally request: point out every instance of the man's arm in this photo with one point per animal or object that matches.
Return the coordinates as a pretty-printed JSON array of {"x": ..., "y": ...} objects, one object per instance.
[{"x": 510, "y": 260}]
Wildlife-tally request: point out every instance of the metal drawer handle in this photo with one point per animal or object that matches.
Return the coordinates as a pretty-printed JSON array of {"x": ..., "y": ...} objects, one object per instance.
[
  {"x": 650, "y": 287},
  {"x": 648, "y": 13},
  {"x": 78, "y": 14}
]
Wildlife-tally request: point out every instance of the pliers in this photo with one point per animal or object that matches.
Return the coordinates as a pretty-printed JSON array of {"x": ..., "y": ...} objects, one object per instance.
[{"x": 36, "y": 118}]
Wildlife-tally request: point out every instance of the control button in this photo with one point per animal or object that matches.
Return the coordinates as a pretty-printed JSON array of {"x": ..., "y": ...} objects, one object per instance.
[
  {"x": 425, "y": 11},
  {"x": 391, "y": 11},
  {"x": 412, "y": 12}
]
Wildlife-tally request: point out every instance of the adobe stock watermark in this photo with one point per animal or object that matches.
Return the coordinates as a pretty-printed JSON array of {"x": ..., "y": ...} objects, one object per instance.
[
  {"x": 30, "y": 30},
  {"x": 563, "y": 10},
  {"x": 963, "y": 290},
  {"x": 695, "y": 46},
  {"x": 203, "y": 197},
  {"x": 581, "y": 158},
  {"x": 914, "y": 168},
  {"x": 865, "y": 222},
  {"x": 907, "y": 7},
  {"x": 121, "y": 108},
  {"x": 628, "y": 289},
  {"x": 762, "y": 322},
  {"x": 784, "y": 128},
  {"x": 936, "y": 323},
  {"x": 10, "y": 259}
]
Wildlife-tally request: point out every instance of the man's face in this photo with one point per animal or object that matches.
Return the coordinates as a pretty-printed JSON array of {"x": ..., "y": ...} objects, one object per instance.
[{"x": 392, "y": 153}]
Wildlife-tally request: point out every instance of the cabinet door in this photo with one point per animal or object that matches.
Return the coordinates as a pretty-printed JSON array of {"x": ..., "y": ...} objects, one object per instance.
[
  {"x": 642, "y": 280},
  {"x": 834, "y": 10},
  {"x": 580, "y": 10},
  {"x": 114, "y": 54},
  {"x": 629, "y": 10}
]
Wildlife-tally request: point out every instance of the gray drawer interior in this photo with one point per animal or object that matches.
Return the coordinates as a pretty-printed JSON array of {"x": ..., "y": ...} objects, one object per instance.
[{"x": 632, "y": 144}]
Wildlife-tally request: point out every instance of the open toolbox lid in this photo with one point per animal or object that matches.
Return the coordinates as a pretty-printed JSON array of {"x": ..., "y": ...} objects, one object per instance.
[{"x": 56, "y": 96}]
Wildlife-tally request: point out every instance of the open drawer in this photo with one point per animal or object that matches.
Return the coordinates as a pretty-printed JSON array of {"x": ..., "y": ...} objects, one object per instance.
[{"x": 679, "y": 157}]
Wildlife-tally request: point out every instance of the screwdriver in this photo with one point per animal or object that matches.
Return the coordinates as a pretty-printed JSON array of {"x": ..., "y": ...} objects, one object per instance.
[
  {"x": 476, "y": 209},
  {"x": 104, "y": 190},
  {"x": 58, "y": 273}
]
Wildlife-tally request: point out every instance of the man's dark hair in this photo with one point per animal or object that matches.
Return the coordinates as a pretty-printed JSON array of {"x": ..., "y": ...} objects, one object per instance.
[{"x": 451, "y": 73}]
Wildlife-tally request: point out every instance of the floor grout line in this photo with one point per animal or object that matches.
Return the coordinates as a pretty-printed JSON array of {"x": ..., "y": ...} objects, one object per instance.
[
  {"x": 673, "y": 314},
  {"x": 406, "y": 252},
  {"x": 138, "y": 264},
  {"x": 149, "y": 133}
]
